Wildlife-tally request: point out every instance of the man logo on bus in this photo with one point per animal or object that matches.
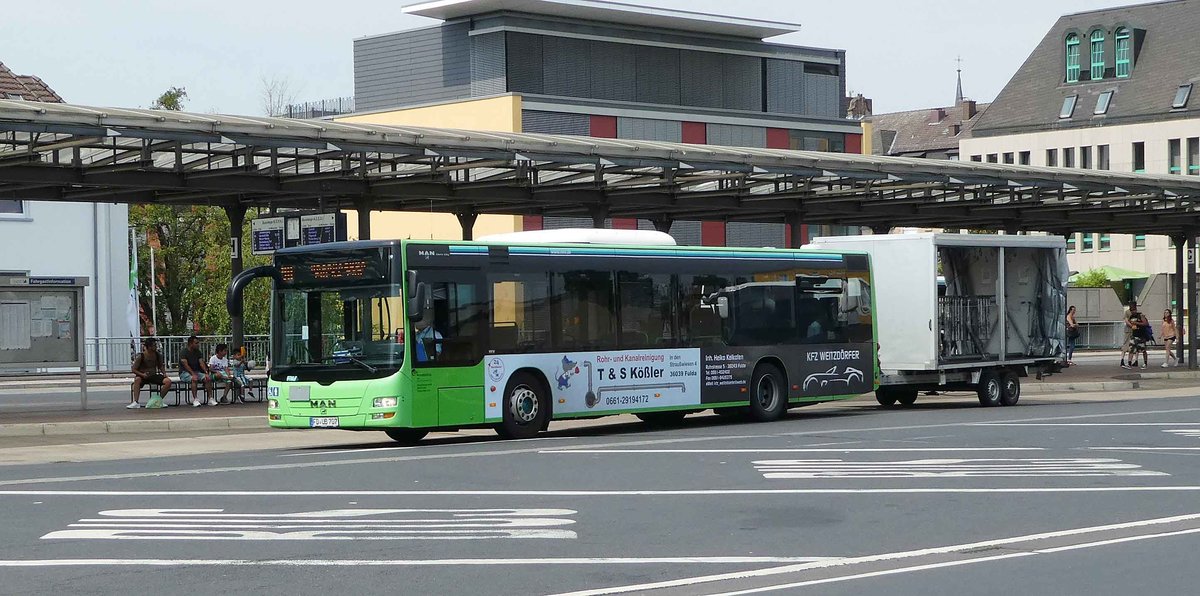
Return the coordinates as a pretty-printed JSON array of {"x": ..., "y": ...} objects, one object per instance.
[
  {"x": 569, "y": 369},
  {"x": 495, "y": 369}
]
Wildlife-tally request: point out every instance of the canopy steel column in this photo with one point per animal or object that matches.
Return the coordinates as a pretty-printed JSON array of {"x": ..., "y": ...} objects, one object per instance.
[
  {"x": 364, "y": 218},
  {"x": 237, "y": 220},
  {"x": 1177, "y": 293},
  {"x": 599, "y": 214},
  {"x": 1193, "y": 311},
  {"x": 663, "y": 224},
  {"x": 467, "y": 221},
  {"x": 795, "y": 226}
]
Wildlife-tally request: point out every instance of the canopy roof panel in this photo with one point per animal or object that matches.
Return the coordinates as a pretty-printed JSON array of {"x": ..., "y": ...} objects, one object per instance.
[{"x": 61, "y": 152}]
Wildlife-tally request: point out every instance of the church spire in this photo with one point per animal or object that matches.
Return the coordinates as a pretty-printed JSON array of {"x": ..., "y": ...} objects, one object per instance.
[{"x": 958, "y": 97}]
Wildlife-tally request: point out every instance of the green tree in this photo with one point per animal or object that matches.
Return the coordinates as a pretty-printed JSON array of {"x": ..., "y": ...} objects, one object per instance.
[
  {"x": 1093, "y": 278},
  {"x": 171, "y": 99},
  {"x": 191, "y": 261}
]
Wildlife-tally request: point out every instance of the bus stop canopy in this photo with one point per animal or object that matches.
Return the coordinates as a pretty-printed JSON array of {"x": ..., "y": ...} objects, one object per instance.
[{"x": 60, "y": 152}]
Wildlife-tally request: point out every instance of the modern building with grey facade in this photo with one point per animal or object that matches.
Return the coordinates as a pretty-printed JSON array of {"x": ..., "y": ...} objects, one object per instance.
[{"x": 613, "y": 70}]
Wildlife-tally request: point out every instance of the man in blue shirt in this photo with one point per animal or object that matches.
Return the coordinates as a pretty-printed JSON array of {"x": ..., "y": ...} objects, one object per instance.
[{"x": 427, "y": 334}]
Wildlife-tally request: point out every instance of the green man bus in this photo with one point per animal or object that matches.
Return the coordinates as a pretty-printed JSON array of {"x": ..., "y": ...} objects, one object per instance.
[{"x": 409, "y": 336}]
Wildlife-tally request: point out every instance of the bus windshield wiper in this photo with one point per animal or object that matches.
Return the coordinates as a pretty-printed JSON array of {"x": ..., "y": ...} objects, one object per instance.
[{"x": 349, "y": 358}]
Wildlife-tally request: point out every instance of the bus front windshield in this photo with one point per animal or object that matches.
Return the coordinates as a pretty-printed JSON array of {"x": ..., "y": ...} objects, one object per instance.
[{"x": 358, "y": 328}]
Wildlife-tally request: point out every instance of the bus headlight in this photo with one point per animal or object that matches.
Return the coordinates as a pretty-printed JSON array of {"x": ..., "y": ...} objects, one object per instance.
[
  {"x": 272, "y": 404},
  {"x": 386, "y": 402}
]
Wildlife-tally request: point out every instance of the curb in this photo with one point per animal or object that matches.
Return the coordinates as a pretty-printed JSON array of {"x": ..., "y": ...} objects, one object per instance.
[
  {"x": 99, "y": 427},
  {"x": 1080, "y": 387}
]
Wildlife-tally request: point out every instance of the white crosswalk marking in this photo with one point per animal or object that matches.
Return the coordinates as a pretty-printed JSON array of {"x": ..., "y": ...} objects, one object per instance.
[
  {"x": 949, "y": 468},
  {"x": 333, "y": 524},
  {"x": 1192, "y": 433}
]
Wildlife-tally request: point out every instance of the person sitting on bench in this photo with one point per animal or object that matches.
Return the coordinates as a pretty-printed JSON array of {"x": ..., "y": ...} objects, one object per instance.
[{"x": 149, "y": 369}]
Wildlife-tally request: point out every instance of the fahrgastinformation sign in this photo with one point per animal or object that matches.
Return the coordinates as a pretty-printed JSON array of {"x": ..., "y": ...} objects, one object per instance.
[{"x": 41, "y": 324}]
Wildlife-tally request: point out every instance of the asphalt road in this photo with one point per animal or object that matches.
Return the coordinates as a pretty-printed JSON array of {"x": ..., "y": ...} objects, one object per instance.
[{"x": 1087, "y": 498}]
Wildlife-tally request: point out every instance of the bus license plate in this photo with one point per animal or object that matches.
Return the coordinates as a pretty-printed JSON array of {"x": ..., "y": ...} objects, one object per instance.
[{"x": 323, "y": 422}]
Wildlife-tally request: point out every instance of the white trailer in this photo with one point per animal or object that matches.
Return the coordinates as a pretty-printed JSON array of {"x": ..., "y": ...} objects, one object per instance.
[{"x": 964, "y": 311}]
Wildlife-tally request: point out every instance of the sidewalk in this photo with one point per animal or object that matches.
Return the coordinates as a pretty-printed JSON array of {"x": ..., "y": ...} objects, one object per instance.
[{"x": 1096, "y": 372}]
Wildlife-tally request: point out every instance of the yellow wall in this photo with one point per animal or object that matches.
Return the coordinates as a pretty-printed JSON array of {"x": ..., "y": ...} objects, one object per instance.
[
  {"x": 502, "y": 114},
  {"x": 868, "y": 137}
]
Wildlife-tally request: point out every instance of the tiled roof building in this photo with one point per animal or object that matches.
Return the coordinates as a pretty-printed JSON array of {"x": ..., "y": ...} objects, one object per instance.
[{"x": 26, "y": 87}]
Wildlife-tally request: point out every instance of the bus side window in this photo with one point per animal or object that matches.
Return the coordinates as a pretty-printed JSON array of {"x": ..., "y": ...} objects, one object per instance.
[
  {"x": 644, "y": 309},
  {"x": 520, "y": 313},
  {"x": 699, "y": 322},
  {"x": 586, "y": 319}
]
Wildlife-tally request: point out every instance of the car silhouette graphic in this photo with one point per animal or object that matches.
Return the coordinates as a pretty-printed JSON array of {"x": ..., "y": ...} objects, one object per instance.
[{"x": 823, "y": 379}]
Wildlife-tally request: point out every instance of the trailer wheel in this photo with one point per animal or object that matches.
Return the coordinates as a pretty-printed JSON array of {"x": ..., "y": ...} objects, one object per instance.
[
  {"x": 885, "y": 397},
  {"x": 1010, "y": 388},
  {"x": 525, "y": 407},
  {"x": 906, "y": 397},
  {"x": 990, "y": 389},
  {"x": 768, "y": 394}
]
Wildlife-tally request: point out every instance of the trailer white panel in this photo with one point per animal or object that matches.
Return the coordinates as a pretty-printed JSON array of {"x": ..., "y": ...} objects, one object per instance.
[
  {"x": 904, "y": 278},
  {"x": 990, "y": 314}
]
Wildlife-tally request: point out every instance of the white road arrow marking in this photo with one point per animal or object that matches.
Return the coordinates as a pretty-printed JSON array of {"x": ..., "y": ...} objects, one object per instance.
[
  {"x": 949, "y": 468},
  {"x": 332, "y": 524}
]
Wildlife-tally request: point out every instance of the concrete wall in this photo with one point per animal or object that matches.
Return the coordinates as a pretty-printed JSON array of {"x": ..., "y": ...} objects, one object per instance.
[
  {"x": 1157, "y": 256},
  {"x": 77, "y": 240}
]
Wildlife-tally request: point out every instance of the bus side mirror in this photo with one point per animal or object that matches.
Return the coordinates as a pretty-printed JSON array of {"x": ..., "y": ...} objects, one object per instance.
[
  {"x": 723, "y": 307},
  {"x": 419, "y": 303}
]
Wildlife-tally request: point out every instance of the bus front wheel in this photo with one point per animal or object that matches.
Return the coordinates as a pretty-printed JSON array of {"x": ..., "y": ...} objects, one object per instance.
[
  {"x": 525, "y": 407},
  {"x": 768, "y": 394},
  {"x": 406, "y": 436}
]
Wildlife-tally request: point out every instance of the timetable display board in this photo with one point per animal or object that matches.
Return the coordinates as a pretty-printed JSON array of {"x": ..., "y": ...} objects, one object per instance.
[
  {"x": 266, "y": 235},
  {"x": 41, "y": 321},
  {"x": 318, "y": 229},
  {"x": 269, "y": 234}
]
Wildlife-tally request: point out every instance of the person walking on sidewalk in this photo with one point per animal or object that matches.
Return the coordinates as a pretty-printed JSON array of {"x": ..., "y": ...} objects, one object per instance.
[
  {"x": 1133, "y": 320},
  {"x": 193, "y": 370},
  {"x": 1072, "y": 335},
  {"x": 1169, "y": 334},
  {"x": 149, "y": 369}
]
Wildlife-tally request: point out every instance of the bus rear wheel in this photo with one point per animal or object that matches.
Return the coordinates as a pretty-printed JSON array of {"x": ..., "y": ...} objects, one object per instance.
[
  {"x": 674, "y": 418},
  {"x": 406, "y": 436},
  {"x": 525, "y": 407},
  {"x": 885, "y": 397},
  {"x": 768, "y": 394}
]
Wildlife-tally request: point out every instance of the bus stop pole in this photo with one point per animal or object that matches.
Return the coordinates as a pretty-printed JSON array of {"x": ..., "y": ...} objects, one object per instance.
[
  {"x": 81, "y": 341},
  {"x": 1177, "y": 293},
  {"x": 237, "y": 220},
  {"x": 1193, "y": 312}
]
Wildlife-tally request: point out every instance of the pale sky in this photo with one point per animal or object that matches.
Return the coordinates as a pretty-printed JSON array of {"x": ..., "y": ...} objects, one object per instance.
[{"x": 124, "y": 53}]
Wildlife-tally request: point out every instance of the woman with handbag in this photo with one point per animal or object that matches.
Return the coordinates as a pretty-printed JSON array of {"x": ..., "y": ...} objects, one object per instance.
[{"x": 1072, "y": 335}]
